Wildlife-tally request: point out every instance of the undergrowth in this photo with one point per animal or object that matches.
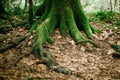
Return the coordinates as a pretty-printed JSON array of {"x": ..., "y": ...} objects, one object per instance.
[{"x": 106, "y": 17}]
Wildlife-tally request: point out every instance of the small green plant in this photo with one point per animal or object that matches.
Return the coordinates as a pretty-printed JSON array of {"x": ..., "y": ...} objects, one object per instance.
[
  {"x": 1, "y": 22},
  {"x": 116, "y": 54},
  {"x": 17, "y": 11},
  {"x": 92, "y": 18},
  {"x": 116, "y": 47},
  {"x": 104, "y": 16},
  {"x": 29, "y": 78},
  {"x": 117, "y": 24},
  {"x": 107, "y": 17}
]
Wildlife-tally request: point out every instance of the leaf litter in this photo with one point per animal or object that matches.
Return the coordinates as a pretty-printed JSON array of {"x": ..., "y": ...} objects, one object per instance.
[{"x": 89, "y": 62}]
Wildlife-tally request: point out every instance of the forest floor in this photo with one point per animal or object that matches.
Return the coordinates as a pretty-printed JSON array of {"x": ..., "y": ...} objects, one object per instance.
[{"x": 88, "y": 61}]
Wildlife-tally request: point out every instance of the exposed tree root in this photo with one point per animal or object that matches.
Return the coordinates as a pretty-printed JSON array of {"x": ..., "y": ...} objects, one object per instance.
[
  {"x": 63, "y": 26},
  {"x": 69, "y": 15},
  {"x": 3, "y": 37},
  {"x": 23, "y": 44},
  {"x": 60, "y": 69},
  {"x": 46, "y": 57},
  {"x": 76, "y": 35},
  {"x": 12, "y": 44},
  {"x": 5, "y": 28},
  {"x": 20, "y": 57}
]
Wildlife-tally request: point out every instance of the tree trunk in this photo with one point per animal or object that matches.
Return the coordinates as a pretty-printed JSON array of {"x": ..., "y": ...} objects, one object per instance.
[
  {"x": 111, "y": 7},
  {"x": 70, "y": 17},
  {"x": 2, "y": 9},
  {"x": 30, "y": 12}
]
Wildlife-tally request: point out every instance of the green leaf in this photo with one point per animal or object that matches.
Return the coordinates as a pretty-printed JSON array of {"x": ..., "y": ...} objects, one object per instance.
[
  {"x": 30, "y": 78},
  {"x": 116, "y": 47}
]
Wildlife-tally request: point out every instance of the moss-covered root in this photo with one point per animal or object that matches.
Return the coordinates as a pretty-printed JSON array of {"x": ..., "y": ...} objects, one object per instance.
[
  {"x": 43, "y": 36},
  {"x": 45, "y": 56},
  {"x": 47, "y": 26},
  {"x": 63, "y": 26},
  {"x": 77, "y": 36},
  {"x": 82, "y": 20},
  {"x": 48, "y": 59},
  {"x": 94, "y": 30}
]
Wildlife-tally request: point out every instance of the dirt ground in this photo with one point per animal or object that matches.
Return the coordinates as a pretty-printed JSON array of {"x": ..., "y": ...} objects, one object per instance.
[{"x": 89, "y": 62}]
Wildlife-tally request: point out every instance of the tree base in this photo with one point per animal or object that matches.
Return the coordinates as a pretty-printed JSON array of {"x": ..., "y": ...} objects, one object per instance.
[{"x": 70, "y": 17}]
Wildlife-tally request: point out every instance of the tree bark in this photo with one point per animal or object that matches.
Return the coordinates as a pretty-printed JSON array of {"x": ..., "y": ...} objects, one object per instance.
[
  {"x": 2, "y": 9},
  {"x": 70, "y": 17},
  {"x": 30, "y": 12}
]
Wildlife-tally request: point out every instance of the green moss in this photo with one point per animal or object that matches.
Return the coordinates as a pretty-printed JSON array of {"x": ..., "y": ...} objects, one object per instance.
[
  {"x": 71, "y": 17},
  {"x": 77, "y": 36},
  {"x": 63, "y": 26}
]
